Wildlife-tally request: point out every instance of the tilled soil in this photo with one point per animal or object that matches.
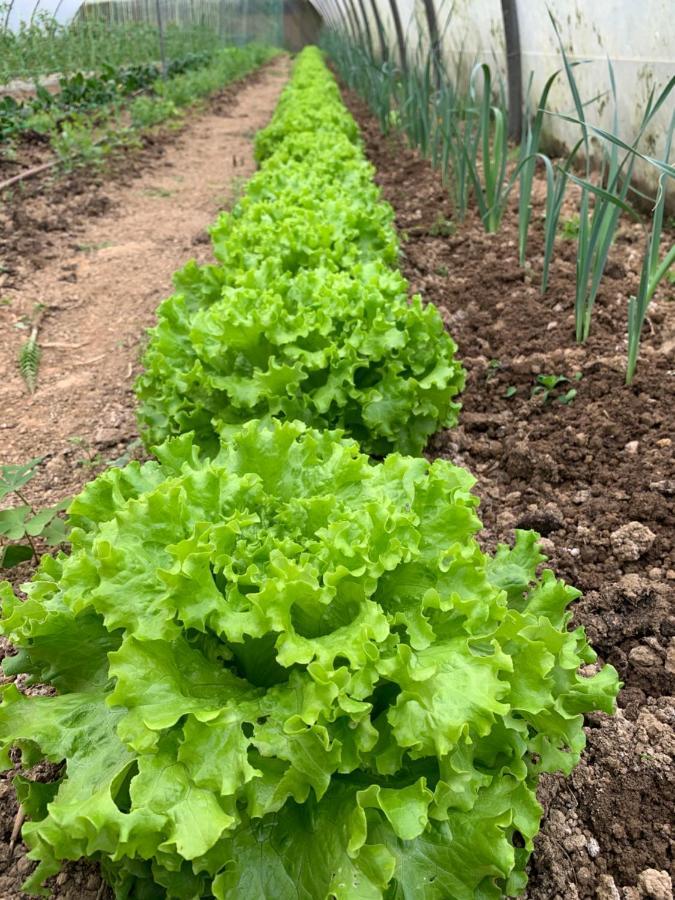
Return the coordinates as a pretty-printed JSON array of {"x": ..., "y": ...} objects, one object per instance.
[
  {"x": 595, "y": 477},
  {"x": 88, "y": 259}
]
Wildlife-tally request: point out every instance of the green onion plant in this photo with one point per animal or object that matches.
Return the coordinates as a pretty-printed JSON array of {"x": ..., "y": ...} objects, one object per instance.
[
  {"x": 529, "y": 152},
  {"x": 654, "y": 268},
  {"x": 603, "y": 199}
]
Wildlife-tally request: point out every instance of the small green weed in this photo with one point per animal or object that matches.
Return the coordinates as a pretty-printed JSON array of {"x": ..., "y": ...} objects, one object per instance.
[
  {"x": 442, "y": 227},
  {"x": 20, "y": 524},
  {"x": 549, "y": 387},
  {"x": 493, "y": 367},
  {"x": 569, "y": 228},
  {"x": 29, "y": 360},
  {"x": 157, "y": 192},
  {"x": 92, "y": 248}
]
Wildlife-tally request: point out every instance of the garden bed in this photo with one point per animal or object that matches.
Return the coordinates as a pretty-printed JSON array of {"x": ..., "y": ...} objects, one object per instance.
[{"x": 582, "y": 473}]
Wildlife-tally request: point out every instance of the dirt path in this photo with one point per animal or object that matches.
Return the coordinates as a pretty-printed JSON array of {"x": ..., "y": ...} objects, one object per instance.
[{"x": 97, "y": 292}]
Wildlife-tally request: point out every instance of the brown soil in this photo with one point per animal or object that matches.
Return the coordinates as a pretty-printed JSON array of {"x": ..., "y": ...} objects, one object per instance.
[
  {"x": 582, "y": 475},
  {"x": 89, "y": 259}
]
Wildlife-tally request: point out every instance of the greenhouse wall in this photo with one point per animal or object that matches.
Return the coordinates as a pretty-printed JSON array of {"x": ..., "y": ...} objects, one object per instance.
[{"x": 638, "y": 39}]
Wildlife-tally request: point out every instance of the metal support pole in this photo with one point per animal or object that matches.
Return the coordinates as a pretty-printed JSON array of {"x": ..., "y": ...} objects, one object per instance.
[
  {"x": 399, "y": 35},
  {"x": 513, "y": 68},
  {"x": 356, "y": 28},
  {"x": 162, "y": 44},
  {"x": 384, "y": 48},
  {"x": 434, "y": 39},
  {"x": 366, "y": 25}
]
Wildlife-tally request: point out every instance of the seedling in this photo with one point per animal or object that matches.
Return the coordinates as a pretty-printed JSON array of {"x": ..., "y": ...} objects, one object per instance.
[
  {"x": 511, "y": 391},
  {"x": 442, "y": 227},
  {"x": 547, "y": 384},
  {"x": 22, "y": 523},
  {"x": 29, "y": 360},
  {"x": 569, "y": 228},
  {"x": 494, "y": 366},
  {"x": 91, "y": 462}
]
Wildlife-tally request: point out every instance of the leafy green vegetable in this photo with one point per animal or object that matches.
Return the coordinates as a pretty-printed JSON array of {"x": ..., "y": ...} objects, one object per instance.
[
  {"x": 304, "y": 317},
  {"x": 321, "y": 347},
  {"x": 285, "y": 672}
]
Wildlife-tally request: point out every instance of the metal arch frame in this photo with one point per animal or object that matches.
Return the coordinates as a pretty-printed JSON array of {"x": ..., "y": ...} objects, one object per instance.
[
  {"x": 398, "y": 27},
  {"x": 366, "y": 27},
  {"x": 384, "y": 48},
  {"x": 327, "y": 13},
  {"x": 434, "y": 39},
  {"x": 342, "y": 15},
  {"x": 333, "y": 14},
  {"x": 353, "y": 21}
]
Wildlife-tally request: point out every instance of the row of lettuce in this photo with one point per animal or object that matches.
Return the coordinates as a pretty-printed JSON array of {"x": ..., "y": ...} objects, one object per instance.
[
  {"x": 282, "y": 668},
  {"x": 304, "y": 316}
]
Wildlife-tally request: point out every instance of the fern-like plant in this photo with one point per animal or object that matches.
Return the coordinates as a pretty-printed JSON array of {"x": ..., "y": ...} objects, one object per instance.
[{"x": 29, "y": 360}]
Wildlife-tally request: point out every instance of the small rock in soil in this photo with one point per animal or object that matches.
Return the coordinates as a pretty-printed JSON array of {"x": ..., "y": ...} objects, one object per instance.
[
  {"x": 644, "y": 656},
  {"x": 607, "y": 889},
  {"x": 593, "y": 848},
  {"x": 670, "y": 657},
  {"x": 631, "y": 541},
  {"x": 655, "y": 884}
]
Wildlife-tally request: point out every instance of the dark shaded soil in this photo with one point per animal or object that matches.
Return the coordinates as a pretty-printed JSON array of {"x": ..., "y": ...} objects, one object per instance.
[{"x": 596, "y": 477}]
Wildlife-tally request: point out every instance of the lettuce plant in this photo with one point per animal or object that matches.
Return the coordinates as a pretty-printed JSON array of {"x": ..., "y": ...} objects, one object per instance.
[
  {"x": 305, "y": 316},
  {"x": 321, "y": 347},
  {"x": 310, "y": 103},
  {"x": 286, "y": 672}
]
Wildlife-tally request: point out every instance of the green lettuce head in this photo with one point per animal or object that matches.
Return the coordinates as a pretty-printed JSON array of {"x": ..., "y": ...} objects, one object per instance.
[
  {"x": 330, "y": 349},
  {"x": 284, "y": 672}
]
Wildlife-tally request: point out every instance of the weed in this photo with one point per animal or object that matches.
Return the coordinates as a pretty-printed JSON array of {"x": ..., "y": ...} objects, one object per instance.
[
  {"x": 91, "y": 462},
  {"x": 29, "y": 360},
  {"x": 569, "y": 228},
  {"x": 75, "y": 146},
  {"x": 22, "y": 523},
  {"x": 237, "y": 189},
  {"x": 92, "y": 248},
  {"x": 157, "y": 192},
  {"x": 149, "y": 111},
  {"x": 442, "y": 227},
  {"x": 494, "y": 366},
  {"x": 547, "y": 384}
]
